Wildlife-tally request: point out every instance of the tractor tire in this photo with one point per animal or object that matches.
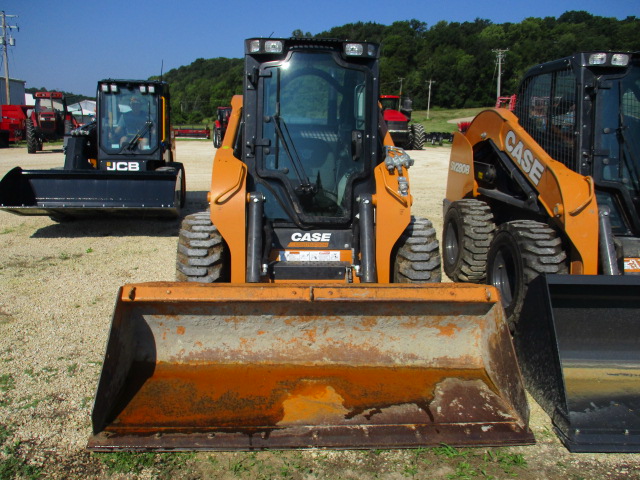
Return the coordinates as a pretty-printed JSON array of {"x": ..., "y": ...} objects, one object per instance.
[
  {"x": 32, "y": 137},
  {"x": 417, "y": 254},
  {"x": 217, "y": 140},
  {"x": 419, "y": 136},
  {"x": 466, "y": 236},
  {"x": 522, "y": 250},
  {"x": 202, "y": 253}
]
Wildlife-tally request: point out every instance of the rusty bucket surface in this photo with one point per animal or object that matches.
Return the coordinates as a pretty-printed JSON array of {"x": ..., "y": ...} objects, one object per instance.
[
  {"x": 250, "y": 366},
  {"x": 578, "y": 344}
]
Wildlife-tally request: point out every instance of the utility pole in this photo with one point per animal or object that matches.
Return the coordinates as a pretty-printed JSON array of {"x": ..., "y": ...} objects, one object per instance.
[
  {"x": 429, "y": 97},
  {"x": 5, "y": 44},
  {"x": 500, "y": 54}
]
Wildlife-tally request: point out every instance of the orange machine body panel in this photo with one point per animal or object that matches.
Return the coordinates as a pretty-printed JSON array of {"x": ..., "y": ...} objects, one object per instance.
[{"x": 567, "y": 197}]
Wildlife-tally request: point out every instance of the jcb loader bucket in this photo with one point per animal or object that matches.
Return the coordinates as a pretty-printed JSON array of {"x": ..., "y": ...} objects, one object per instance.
[
  {"x": 77, "y": 193},
  {"x": 250, "y": 366},
  {"x": 578, "y": 343}
]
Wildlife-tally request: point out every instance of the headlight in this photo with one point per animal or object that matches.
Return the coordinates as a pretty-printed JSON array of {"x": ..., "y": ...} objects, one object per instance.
[
  {"x": 620, "y": 59},
  {"x": 597, "y": 59},
  {"x": 104, "y": 87},
  {"x": 273, "y": 46},
  {"x": 360, "y": 50},
  {"x": 264, "y": 45},
  {"x": 353, "y": 49},
  {"x": 254, "y": 46}
]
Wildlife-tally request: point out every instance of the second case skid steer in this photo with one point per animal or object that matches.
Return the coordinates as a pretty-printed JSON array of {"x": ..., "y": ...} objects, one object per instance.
[
  {"x": 121, "y": 164},
  {"x": 308, "y": 312},
  {"x": 543, "y": 203}
]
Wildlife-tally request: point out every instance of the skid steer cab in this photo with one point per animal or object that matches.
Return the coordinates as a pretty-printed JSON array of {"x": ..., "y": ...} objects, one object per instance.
[
  {"x": 123, "y": 163},
  {"x": 308, "y": 311}
]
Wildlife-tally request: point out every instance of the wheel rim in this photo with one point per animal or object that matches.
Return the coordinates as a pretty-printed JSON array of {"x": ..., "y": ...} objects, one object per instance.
[
  {"x": 451, "y": 245},
  {"x": 503, "y": 276}
]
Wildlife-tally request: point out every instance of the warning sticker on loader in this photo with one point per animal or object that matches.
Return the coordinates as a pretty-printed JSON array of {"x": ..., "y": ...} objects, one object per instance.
[
  {"x": 309, "y": 256},
  {"x": 632, "y": 265}
]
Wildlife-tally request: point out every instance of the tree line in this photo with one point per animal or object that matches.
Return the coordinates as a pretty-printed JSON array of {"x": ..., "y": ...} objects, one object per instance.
[{"x": 458, "y": 58}]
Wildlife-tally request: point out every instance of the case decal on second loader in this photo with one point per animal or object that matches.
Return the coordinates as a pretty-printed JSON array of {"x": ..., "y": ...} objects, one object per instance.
[{"x": 525, "y": 158}]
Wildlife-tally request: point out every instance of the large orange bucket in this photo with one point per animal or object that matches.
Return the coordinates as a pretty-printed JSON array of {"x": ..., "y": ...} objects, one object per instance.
[{"x": 253, "y": 366}]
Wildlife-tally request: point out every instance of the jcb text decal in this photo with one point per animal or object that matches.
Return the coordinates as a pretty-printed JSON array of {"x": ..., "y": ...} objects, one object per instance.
[
  {"x": 529, "y": 164},
  {"x": 123, "y": 166}
]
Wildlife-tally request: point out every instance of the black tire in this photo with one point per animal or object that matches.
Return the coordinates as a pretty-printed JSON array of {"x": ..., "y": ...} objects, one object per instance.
[
  {"x": 416, "y": 257},
  {"x": 217, "y": 140},
  {"x": 32, "y": 138},
  {"x": 419, "y": 136},
  {"x": 466, "y": 236},
  {"x": 202, "y": 254},
  {"x": 520, "y": 251}
]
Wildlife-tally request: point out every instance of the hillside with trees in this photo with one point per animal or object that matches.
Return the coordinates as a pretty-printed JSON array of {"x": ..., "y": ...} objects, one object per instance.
[{"x": 458, "y": 57}]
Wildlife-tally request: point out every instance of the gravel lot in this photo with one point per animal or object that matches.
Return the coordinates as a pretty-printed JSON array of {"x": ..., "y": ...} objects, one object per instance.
[{"x": 58, "y": 284}]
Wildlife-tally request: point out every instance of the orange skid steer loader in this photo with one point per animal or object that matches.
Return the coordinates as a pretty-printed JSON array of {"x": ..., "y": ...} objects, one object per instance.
[
  {"x": 308, "y": 310},
  {"x": 543, "y": 203}
]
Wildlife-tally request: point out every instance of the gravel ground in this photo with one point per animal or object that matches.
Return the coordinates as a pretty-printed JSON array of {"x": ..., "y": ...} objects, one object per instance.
[{"x": 58, "y": 284}]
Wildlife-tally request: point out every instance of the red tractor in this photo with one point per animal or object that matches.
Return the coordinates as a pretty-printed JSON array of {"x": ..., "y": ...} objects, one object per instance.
[
  {"x": 49, "y": 121},
  {"x": 220, "y": 127},
  {"x": 397, "y": 116}
]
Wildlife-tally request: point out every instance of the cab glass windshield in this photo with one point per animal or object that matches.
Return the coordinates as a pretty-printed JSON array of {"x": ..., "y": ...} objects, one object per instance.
[
  {"x": 129, "y": 121},
  {"x": 314, "y": 117}
]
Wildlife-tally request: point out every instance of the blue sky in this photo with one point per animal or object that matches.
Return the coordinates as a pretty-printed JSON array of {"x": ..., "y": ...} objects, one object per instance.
[{"x": 70, "y": 45}]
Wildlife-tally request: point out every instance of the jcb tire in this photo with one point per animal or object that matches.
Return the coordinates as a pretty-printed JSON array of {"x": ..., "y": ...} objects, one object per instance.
[
  {"x": 520, "y": 251},
  {"x": 417, "y": 254},
  {"x": 466, "y": 237},
  {"x": 419, "y": 136},
  {"x": 32, "y": 139},
  {"x": 202, "y": 254}
]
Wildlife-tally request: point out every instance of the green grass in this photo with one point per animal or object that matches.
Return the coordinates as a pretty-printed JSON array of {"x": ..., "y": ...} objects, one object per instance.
[
  {"x": 126, "y": 462},
  {"x": 12, "y": 465},
  {"x": 438, "y": 120}
]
